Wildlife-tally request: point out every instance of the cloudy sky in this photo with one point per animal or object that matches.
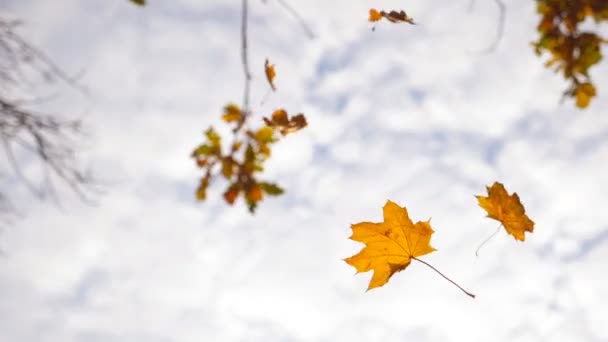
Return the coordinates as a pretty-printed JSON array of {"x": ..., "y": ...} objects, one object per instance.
[{"x": 415, "y": 114}]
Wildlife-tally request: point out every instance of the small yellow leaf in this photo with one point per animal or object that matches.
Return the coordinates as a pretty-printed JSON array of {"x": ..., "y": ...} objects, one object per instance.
[
  {"x": 227, "y": 167},
  {"x": 264, "y": 135},
  {"x": 232, "y": 113},
  {"x": 201, "y": 192},
  {"x": 584, "y": 93},
  {"x": 507, "y": 209},
  {"x": 270, "y": 73}
]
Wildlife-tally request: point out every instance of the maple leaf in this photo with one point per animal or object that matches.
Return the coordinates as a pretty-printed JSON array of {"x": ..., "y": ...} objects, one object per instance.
[
  {"x": 507, "y": 209},
  {"x": 270, "y": 73},
  {"x": 390, "y": 245}
]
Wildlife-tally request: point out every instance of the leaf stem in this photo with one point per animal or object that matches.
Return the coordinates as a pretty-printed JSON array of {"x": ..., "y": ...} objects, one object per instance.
[
  {"x": 487, "y": 239},
  {"x": 446, "y": 278}
]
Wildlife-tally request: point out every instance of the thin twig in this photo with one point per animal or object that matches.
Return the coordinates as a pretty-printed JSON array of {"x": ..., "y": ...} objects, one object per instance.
[
  {"x": 8, "y": 150},
  {"x": 446, "y": 278},
  {"x": 245, "y": 60},
  {"x": 500, "y": 29},
  {"x": 298, "y": 17}
]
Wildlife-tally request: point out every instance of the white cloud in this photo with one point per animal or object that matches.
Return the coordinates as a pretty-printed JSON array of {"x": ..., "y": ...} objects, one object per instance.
[{"x": 408, "y": 113}]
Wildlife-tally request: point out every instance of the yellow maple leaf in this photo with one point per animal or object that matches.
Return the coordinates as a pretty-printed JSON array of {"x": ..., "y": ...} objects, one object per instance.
[
  {"x": 507, "y": 209},
  {"x": 390, "y": 245},
  {"x": 270, "y": 73}
]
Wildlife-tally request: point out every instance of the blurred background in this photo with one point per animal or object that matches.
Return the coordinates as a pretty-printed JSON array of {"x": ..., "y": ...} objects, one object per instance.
[{"x": 418, "y": 114}]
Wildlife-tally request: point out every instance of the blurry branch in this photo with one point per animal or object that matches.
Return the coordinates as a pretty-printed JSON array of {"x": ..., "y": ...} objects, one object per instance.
[
  {"x": 502, "y": 14},
  {"x": 49, "y": 138},
  {"x": 245, "y": 62},
  {"x": 297, "y": 17}
]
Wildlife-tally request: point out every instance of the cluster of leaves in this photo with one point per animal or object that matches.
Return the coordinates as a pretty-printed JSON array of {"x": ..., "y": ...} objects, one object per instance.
[
  {"x": 572, "y": 50},
  {"x": 245, "y": 157},
  {"x": 392, "y": 245}
]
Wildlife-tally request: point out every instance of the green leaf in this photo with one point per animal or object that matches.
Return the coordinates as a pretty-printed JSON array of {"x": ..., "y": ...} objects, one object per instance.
[
  {"x": 138, "y": 2},
  {"x": 271, "y": 189},
  {"x": 203, "y": 149},
  {"x": 213, "y": 137}
]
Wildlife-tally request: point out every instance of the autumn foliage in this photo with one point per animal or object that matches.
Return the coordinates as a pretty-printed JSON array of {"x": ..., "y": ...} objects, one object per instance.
[
  {"x": 243, "y": 159},
  {"x": 572, "y": 50},
  {"x": 390, "y": 246}
]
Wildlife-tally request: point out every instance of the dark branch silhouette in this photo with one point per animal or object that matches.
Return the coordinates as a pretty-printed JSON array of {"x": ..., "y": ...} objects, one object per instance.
[{"x": 51, "y": 139}]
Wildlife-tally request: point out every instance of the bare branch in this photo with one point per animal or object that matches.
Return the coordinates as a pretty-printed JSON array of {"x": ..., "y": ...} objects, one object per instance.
[
  {"x": 502, "y": 14},
  {"x": 45, "y": 136}
]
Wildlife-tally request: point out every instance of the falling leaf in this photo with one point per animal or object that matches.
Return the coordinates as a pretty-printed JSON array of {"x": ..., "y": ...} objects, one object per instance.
[
  {"x": 281, "y": 121},
  {"x": 507, "y": 209},
  {"x": 398, "y": 17},
  {"x": 390, "y": 245},
  {"x": 270, "y": 73},
  {"x": 392, "y": 16},
  {"x": 374, "y": 15}
]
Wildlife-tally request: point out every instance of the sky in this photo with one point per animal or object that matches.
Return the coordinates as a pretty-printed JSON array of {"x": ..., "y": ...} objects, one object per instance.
[{"x": 415, "y": 114}]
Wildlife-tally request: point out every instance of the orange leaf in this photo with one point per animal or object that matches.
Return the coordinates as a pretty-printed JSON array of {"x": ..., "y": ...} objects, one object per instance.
[
  {"x": 231, "y": 194},
  {"x": 255, "y": 194},
  {"x": 374, "y": 15},
  {"x": 270, "y": 73},
  {"x": 507, "y": 209},
  {"x": 390, "y": 245},
  {"x": 281, "y": 121}
]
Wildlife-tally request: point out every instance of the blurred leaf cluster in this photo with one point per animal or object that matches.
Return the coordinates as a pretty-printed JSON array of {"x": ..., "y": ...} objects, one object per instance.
[
  {"x": 572, "y": 50},
  {"x": 243, "y": 159}
]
